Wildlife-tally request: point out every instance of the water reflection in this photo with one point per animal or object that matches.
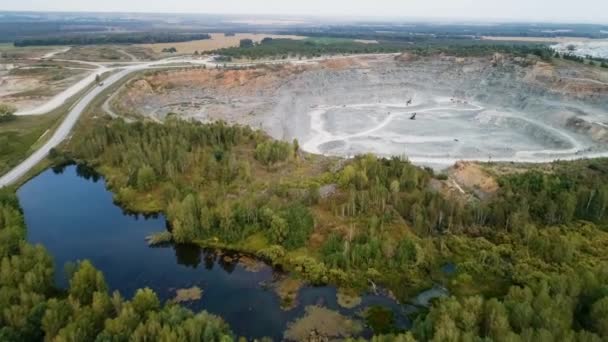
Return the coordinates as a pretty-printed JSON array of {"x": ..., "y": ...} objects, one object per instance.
[{"x": 70, "y": 212}]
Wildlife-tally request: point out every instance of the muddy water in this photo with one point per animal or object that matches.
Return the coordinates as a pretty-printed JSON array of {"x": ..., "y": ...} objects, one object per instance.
[{"x": 71, "y": 213}]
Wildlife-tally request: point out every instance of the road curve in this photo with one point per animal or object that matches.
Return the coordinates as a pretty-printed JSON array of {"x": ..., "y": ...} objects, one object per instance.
[
  {"x": 74, "y": 113},
  {"x": 62, "y": 131},
  {"x": 60, "y": 98}
]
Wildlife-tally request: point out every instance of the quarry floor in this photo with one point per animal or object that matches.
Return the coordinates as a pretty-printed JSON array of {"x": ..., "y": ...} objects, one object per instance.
[{"x": 434, "y": 110}]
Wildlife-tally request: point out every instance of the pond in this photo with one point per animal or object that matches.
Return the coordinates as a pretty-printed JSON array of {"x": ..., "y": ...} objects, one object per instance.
[{"x": 72, "y": 214}]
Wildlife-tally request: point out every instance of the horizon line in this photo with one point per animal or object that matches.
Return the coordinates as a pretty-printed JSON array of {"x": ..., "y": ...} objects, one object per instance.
[{"x": 346, "y": 18}]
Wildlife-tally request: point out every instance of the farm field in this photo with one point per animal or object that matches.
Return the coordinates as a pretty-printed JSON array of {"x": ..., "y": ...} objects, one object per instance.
[{"x": 217, "y": 41}]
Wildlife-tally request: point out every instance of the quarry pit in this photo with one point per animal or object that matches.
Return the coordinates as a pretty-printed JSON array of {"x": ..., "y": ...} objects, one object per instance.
[{"x": 434, "y": 110}]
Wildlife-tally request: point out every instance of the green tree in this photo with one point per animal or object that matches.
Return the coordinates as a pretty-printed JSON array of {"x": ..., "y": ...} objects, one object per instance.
[
  {"x": 496, "y": 321},
  {"x": 56, "y": 316},
  {"x": 85, "y": 282},
  {"x": 82, "y": 327},
  {"x": 186, "y": 218},
  {"x": 145, "y": 300},
  {"x": 278, "y": 229},
  {"x": 246, "y": 43},
  {"x": 296, "y": 147},
  {"x": 599, "y": 316},
  {"x": 299, "y": 224},
  {"x": 145, "y": 178}
]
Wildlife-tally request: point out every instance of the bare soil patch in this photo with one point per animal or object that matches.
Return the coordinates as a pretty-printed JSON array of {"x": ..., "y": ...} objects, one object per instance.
[
  {"x": 324, "y": 323},
  {"x": 348, "y": 298},
  {"x": 27, "y": 85},
  {"x": 287, "y": 289},
  {"x": 188, "y": 295},
  {"x": 472, "y": 177}
]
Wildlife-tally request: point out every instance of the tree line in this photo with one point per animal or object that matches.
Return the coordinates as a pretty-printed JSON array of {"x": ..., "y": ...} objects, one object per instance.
[
  {"x": 306, "y": 48},
  {"x": 113, "y": 38},
  {"x": 309, "y": 48}
]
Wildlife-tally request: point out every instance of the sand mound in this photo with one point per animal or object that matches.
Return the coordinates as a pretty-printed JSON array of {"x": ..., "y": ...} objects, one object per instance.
[{"x": 472, "y": 177}]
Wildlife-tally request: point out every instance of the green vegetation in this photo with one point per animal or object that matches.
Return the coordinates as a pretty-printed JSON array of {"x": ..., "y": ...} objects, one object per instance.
[
  {"x": 429, "y": 31},
  {"x": 305, "y": 48},
  {"x": 246, "y": 43},
  {"x": 531, "y": 261},
  {"x": 320, "y": 46},
  {"x": 114, "y": 38},
  {"x": 380, "y": 319},
  {"x": 97, "y": 53},
  {"x": 467, "y": 48},
  {"x": 32, "y": 310},
  {"x": 7, "y": 113},
  {"x": 271, "y": 152},
  {"x": 593, "y": 61},
  {"x": 20, "y": 136}
]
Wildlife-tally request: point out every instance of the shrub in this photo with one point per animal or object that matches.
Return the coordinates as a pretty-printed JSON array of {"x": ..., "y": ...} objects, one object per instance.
[{"x": 7, "y": 112}]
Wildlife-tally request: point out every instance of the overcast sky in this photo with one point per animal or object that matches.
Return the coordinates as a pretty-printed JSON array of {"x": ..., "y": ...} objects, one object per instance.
[{"x": 544, "y": 10}]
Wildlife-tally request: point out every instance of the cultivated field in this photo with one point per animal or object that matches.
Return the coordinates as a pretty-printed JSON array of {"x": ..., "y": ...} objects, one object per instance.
[{"x": 217, "y": 41}]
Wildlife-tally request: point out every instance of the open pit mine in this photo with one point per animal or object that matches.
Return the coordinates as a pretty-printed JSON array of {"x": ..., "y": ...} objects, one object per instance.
[{"x": 434, "y": 110}]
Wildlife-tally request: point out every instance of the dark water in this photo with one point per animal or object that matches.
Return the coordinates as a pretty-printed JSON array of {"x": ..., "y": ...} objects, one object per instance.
[
  {"x": 449, "y": 268},
  {"x": 71, "y": 213}
]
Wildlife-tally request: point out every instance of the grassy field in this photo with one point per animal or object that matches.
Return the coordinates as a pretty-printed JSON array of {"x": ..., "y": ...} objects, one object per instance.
[
  {"x": 107, "y": 53},
  {"x": 217, "y": 41},
  {"x": 19, "y": 138},
  {"x": 9, "y": 51}
]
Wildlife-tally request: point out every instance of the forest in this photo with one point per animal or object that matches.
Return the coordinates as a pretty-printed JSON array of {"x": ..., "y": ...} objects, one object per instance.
[
  {"x": 34, "y": 310},
  {"x": 316, "y": 47},
  {"x": 531, "y": 259},
  {"x": 113, "y": 38},
  {"x": 306, "y": 48},
  {"x": 417, "y": 31}
]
